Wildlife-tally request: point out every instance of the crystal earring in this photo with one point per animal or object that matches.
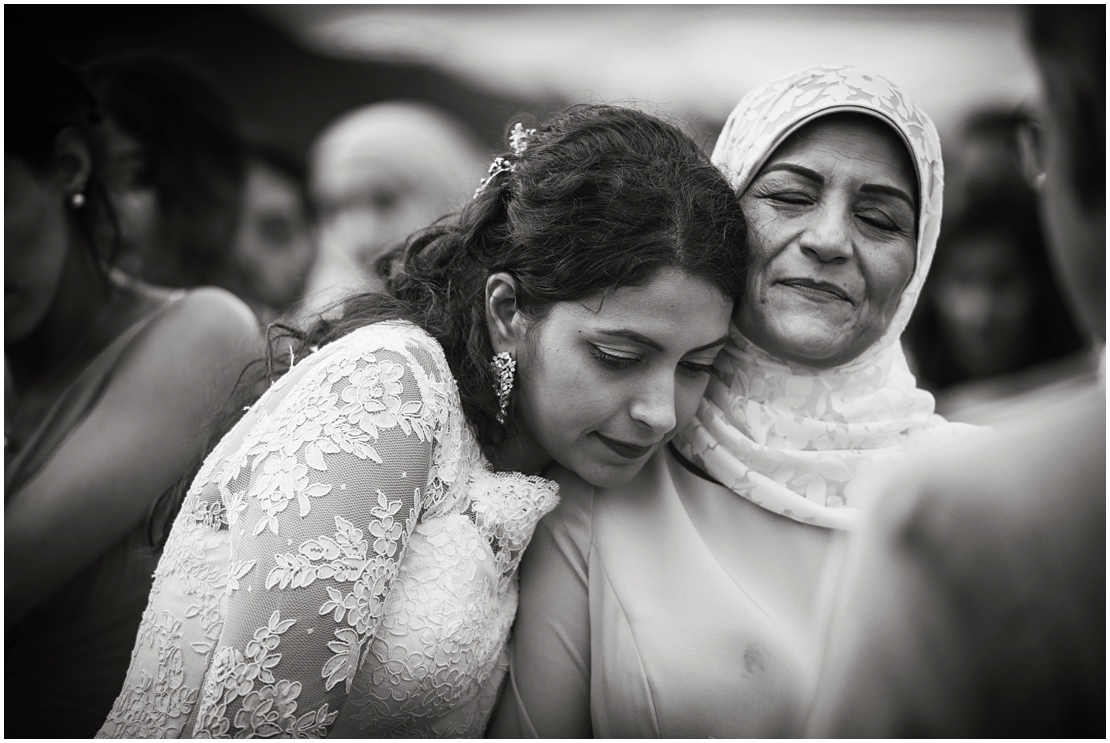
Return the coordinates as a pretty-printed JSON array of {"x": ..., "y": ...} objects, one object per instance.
[
  {"x": 504, "y": 365},
  {"x": 77, "y": 200}
]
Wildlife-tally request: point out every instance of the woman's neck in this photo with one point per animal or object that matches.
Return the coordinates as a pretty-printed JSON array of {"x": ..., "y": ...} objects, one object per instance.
[{"x": 80, "y": 301}]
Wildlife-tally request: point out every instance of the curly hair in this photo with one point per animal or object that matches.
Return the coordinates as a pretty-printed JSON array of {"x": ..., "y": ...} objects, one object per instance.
[{"x": 604, "y": 197}]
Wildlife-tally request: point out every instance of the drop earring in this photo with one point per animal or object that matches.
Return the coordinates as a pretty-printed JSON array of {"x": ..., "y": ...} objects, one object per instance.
[
  {"x": 77, "y": 200},
  {"x": 504, "y": 366}
]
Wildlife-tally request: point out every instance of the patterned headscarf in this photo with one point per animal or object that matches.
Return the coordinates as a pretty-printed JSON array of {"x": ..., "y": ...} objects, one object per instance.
[{"x": 794, "y": 439}]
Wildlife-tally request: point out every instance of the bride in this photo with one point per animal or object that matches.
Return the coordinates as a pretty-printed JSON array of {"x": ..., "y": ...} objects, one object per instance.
[{"x": 344, "y": 562}]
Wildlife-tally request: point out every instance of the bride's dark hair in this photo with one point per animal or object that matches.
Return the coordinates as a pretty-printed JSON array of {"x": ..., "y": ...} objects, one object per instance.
[{"x": 603, "y": 197}]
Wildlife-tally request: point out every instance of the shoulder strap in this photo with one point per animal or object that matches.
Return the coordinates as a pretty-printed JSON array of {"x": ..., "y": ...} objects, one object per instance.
[{"x": 74, "y": 404}]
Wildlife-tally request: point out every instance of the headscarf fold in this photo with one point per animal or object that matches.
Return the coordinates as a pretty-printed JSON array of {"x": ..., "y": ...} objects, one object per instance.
[{"x": 794, "y": 439}]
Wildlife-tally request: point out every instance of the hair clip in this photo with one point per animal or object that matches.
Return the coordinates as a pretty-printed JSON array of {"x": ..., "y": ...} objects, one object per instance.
[
  {"x": 519, "y": 138},
  {"x": 500, "y": 165}
]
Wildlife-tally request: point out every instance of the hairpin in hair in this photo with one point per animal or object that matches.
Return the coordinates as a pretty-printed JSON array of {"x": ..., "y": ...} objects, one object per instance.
[{"x": 519, "y": 138}]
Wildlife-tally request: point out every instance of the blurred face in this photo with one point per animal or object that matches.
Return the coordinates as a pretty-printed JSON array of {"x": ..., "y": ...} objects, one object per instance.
[
  {"x": 832, "y": 241},
  {"x": 984, "y": 298},
  {"x": 34, "y": 246},
  {"x": 1076, "y": 236},
  {"x": 273, "y": 249},
  {"x": 366, "y": 218},
  {"x": 604, "y": 383},
  {"x": 129, "y": 182}
]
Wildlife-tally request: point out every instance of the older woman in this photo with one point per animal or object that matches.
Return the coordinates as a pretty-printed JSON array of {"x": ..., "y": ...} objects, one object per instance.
[{"x": 683, "y": 604}]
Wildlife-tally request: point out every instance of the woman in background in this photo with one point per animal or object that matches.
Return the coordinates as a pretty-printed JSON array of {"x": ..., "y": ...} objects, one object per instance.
[{"x": 108, "y": 380}]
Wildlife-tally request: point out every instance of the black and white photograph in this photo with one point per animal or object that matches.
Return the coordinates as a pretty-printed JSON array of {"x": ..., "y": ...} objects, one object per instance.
[{"x": 555, "y": 371}]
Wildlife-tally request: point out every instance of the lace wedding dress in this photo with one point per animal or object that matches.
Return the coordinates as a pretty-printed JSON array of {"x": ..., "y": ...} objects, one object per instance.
[{"x": 343, "y": 565}]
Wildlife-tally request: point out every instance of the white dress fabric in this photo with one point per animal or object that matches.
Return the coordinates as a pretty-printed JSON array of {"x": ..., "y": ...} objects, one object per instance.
[
  {"x": 793, "y": 439},
  {"x": 343, "y": 565}
]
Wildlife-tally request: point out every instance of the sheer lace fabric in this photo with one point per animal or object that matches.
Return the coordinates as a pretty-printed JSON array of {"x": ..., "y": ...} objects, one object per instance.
[{"x": 344, "y": 563}]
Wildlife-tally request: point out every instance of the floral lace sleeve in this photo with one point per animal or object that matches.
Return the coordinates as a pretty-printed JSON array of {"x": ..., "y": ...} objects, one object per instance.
[{"x": 311, "y": 501}]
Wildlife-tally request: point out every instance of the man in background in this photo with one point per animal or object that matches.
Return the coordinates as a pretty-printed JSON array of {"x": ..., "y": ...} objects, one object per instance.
[{"x": 973, "y": 600}]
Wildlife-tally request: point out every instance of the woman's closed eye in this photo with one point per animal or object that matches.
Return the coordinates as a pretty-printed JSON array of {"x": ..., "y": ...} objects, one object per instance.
[
  {"x": 613, "y": 358},
  {"x": 698, "y": 366},
  {"x": 880, "y": 220},
  {"x": 790, "y": 198}
]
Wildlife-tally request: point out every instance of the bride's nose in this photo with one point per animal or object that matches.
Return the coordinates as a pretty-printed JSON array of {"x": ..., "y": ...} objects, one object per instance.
[{"x": 654, "y": 404}]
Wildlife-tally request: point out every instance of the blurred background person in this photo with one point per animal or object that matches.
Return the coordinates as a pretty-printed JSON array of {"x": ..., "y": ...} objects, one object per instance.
[
  {"x": 275, "y": 246},
  {"x": 108, "y": 381},
  {"x": 991, "y": 326},
  {"x": 378, "y": 174},
  {"x": 174, "y": 167},
  {"x": 974, "y": 600}
]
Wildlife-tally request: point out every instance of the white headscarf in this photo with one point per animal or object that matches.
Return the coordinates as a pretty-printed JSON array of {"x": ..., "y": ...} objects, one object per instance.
[{"x": 793, "y": 439}]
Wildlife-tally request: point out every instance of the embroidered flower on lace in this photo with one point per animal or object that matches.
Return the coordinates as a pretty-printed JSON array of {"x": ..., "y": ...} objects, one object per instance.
[
  {"x": 138, "y": 720},
  {"x": 269, "y": 705}
]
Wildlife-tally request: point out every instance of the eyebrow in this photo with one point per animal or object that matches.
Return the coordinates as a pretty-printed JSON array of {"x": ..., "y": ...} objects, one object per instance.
[
  {"x": 632, "y": 335},
  {"x": 819, "y": 179},
  {"x": 889, "y": 191}
]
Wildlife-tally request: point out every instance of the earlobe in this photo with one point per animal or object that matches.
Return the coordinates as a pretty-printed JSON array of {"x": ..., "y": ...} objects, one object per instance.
[
  {"x": 503, "y": 317},
  {"x": 72, "y": 160}
]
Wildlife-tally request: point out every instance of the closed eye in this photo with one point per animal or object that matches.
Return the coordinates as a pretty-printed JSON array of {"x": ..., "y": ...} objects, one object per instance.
[
  {"x": 612, "y": 360},
  {"x": 791, "y": 197},
  {"x": 880, "y": 221},
  {"x": 695, "y": 367}
]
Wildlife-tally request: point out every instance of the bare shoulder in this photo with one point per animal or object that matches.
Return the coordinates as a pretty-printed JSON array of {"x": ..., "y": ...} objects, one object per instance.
[
  {"x": 206, "y": 337},
  {"x": 209, "y": 322},
  {"x": 212, "y": 315}
]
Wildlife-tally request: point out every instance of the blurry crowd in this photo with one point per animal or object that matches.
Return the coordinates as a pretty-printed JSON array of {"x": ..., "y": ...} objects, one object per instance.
[
  {"x": 200, "y": 203},
  {"x": 992, "y": 326}
]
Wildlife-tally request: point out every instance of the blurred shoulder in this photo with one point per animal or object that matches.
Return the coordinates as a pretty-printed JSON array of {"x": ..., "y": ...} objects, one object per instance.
[
  {"x": 1034, "y": 485},
  {"x": 185, "y": 352},
  {"x": 209, "y": 315}
]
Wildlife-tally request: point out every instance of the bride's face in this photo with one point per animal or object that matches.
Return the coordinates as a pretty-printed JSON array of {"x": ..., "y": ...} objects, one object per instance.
[{"x": 603, "y": 383}]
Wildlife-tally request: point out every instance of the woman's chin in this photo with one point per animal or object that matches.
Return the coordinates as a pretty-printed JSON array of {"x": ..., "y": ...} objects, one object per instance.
[{"x": 809, "y": 349}]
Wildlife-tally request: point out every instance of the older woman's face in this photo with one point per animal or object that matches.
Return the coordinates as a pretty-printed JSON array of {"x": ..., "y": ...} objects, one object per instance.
[{"x": 832, "y": 241}]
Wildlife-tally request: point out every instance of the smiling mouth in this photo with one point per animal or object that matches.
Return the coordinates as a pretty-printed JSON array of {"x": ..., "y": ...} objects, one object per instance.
[
  {"x": 817, "y": 289},
  {"x": 628, "y": 451}
]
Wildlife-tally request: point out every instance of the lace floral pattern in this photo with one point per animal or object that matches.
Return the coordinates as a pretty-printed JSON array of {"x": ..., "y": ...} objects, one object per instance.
[
  {"x": 344, "y": 562},
  {"x": 797, "y": 440}
]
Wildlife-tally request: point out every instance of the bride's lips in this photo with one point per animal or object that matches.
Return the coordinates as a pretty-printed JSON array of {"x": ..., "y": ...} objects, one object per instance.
[
  {"x": 628, "y": 451},
  {"x": 818, "y": 289}
]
